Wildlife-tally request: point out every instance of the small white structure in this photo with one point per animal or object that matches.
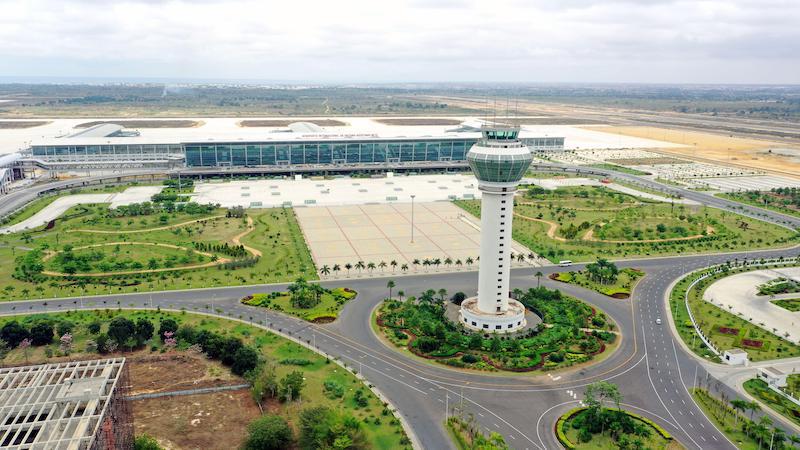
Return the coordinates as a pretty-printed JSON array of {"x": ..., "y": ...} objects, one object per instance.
[
  {"x": 735, "y": 357},
  {"x": 772, "y": 376}
]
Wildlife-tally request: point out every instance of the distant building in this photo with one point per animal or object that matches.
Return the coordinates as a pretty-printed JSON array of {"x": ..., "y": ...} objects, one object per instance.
[
  {"x": 73, "y": 405},
  {"x": 735, "y": 357},
  {"x": 772, "y": 376}
]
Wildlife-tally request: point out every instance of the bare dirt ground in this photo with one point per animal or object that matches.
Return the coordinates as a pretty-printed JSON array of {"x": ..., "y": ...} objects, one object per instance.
[
  {"x": 145, "y": 123},
  {"x": 419, "y": 121},
  {"x": 286, "y": 122},
  {"x": 708, "y": 147},
  {"x": 204, "y": 421},
  {"x": 14, "y": 124}
]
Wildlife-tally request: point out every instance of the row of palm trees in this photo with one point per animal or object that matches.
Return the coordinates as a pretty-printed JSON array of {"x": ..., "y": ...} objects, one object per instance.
[{"x": 404, "y": 267}]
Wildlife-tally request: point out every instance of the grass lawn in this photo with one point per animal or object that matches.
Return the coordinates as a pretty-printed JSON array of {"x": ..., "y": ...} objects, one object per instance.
[
  {"x": 605, "y": 442},
  {"x": 618, "y": 168},
  {"x": 381, "y": 429},
  {"x": 584, "y": 223},
  {"x": 766, "y": 200},
  {"x": 276, "y": 235},
  {"x": 626, "y": 280},
  {"x": 331, "y": 303},
  {"x": 783, "y": 406},
  {"x": 789, "y": 304},
  {"x": 729, "y": 424},
  {"x": 724, "y": 329}
]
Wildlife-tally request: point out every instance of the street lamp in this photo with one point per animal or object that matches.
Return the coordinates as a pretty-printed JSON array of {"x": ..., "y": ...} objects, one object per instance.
[{"x": 412, "y": 218}]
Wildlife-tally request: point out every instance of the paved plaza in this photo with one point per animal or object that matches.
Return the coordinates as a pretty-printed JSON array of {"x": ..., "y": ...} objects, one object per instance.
[
  {"x": 376, "y": 233},
  {"x": 739, "y": 292}
]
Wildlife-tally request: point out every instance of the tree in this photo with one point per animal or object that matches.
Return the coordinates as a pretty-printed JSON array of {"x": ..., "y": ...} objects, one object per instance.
[
  {"x": 291, "y": 385},
  {"x": 42, "y": 333},
  {"x": 265, "y": 383},
  {"x": 244, "y": 360},
  {"x": 13, "y": 333},
  {"x": 390, "y": 284},
  {"x": 4, "y": 349},
  {"x": 603, "y": 271},
  {"x": 458, "y": 298},
  {"x": 144, "y": 331},
  {"x": 325, "y": 270},
  {"x": 539, "y": 276},
  {"x": 324, "y": 428},
  {"x": 597, "y": 394},
  {"x": 167, "y": 325},
  {"x": 120, "y": 329},
  {"x": 738, "y": 405},
  {"x": 268, "y": 432},
  {"x": 24, "y": 346}
]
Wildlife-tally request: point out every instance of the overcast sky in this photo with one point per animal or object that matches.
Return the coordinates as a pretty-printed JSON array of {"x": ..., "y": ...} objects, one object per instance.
[{"x": 717, "y": 41}]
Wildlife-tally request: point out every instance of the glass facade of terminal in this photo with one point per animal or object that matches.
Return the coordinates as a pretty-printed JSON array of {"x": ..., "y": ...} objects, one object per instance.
[{"x": 271, "y": 153}]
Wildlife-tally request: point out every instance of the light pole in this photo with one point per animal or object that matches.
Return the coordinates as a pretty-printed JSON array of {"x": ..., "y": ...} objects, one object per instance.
[{"x": 412, "y": 218}]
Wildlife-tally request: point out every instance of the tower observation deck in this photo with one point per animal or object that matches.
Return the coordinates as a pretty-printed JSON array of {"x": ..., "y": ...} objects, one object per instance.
[{"x": 498, "y": 160}]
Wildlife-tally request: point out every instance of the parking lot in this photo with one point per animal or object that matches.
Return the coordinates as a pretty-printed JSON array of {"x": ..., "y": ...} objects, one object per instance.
[{"x": 382, "y": 233}]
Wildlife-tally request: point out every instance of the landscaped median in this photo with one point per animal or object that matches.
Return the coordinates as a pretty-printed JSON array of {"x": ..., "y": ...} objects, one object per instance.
[
  {"x": 600, "y": 427},
  {"x": 722, "y": 328},
  {"x": 782, "y": 405},
  {"x": 308, "y": 301},
  {"x": 604, "y": 277}
]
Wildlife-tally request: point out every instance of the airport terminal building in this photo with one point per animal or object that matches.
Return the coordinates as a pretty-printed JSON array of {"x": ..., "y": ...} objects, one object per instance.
[{"x": 302, "y": 144}]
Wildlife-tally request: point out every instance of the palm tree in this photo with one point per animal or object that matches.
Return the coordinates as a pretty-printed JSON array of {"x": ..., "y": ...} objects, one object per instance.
[
  {"x": 336, "y": 268},
  {"x": 415, "y": 262},
  {"x": 426, "y": 262},
  {"x": 400, "y": 294},
  {"x": 442, "y": 294},
  {"x": 539, "y": 276},
  {"x": 436, "y": 262},
  {"x": 393, "y": 263},
  {"x": 382, "y": 265},
  {"x": 531, "y": 256},
  {"x": 794, "y": 439},
  {"x": 371, "y": 266},
  {"x": 325, "y": 270},
  {"x": 448, "y": 261},
  {"x": 404, "y": 267},
  {"x": 459, "y": 263},
  {"x": 348, "y": 266},
  {"x": 753, "y": 406},
  {"x": 390, "y": 284},
  {"x": 469, "y": 260},
  {"x": 360, "y": 266},
  {"x": 520, "y": 257},
  {"x": 738, "y": 405}
]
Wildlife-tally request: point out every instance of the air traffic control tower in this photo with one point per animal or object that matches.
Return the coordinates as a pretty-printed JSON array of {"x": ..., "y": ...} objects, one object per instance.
[{"x": 498, "y": 160}]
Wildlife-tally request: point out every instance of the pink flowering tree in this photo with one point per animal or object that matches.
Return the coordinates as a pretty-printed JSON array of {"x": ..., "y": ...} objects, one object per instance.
[
  {"x": 25, "y": 345},
  {"x": 169, "y": 340},
  {"x": 66, "y": 343}
]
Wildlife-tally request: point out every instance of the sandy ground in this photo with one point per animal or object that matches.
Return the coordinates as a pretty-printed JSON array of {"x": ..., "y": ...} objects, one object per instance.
[
  {"x": 52, "y": 211},
  {"x": 738, "y": 294},
  {"x": 750, "y": 153},
  {"x": 375, "y": 233}
]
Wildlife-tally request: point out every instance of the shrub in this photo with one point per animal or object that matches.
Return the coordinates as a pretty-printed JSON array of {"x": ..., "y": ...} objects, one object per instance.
[
  {"x": 469, "y": 359},
  {"x": 244, "y": 360},
  {"x": 426, "y": 344},
  {"x": 145, "y": 442},
  {"x": 333, "y": 389},
  {"x": 42, "y": 333},
  {"x": 94, "y": 327},
  {"x": 14, "y": 333},
  {"x": 269, "y": 432},
  {"x": 120, "y": 329},
  {"x": 295, "y": 361}
]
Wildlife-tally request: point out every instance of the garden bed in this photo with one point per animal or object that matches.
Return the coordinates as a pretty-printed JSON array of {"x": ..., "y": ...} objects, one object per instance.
[{"x": 316, "y": 304}]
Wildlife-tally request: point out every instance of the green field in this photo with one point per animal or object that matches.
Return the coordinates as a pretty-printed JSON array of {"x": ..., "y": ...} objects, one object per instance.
[
  {"x": 620, "y": 288},
  {"x": 585, "y": 223},
  {"x": 207, "y": 238},
  {"x": 331, "y": 302},
  {"x": 723, "y": 328},
  {"x": 783, "y": 406},
  {"x": 381, "y": 429},
  {"x": 789, "y": 304}
]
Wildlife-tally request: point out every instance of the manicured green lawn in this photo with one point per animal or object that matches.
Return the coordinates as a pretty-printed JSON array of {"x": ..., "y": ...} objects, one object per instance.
[
  {"x": 724, "y": 329},
  {"x": 592, "y": 222},
  {"x": 382, "y": 430},
  {"x": 618, "y": 168},
  {"x": 277, "y": 236},
  {"x": 759, "y": 389},
  {"x": 621, "y": 288},
  {"x": 331, "y": 303}
]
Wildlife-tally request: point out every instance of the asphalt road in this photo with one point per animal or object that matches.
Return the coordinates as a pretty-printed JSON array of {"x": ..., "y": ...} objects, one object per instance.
[{"x": 652, "y": 369}]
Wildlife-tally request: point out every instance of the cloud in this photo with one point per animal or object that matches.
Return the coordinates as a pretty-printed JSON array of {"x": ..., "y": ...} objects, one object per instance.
[{"x": 413, "y": 40}]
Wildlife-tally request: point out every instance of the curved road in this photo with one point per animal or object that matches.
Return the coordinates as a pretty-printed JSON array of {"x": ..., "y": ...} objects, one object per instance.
[{"x": 652, "y": 369}]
